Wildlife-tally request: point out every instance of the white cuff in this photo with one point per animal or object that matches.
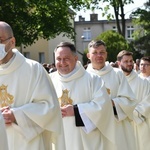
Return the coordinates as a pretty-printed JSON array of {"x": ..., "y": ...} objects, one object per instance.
[
  {"x": 138, "y": 118},
  {"x": 89, "y": 126}
]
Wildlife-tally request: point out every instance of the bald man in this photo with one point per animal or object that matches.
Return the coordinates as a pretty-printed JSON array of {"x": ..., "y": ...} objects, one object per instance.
[{"x": 28, "y": 100}]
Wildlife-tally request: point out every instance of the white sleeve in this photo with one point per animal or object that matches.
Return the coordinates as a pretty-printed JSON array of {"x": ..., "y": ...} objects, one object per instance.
[
  {"x": 89, "y": 126},
  {"x": 24, "y": 125}
]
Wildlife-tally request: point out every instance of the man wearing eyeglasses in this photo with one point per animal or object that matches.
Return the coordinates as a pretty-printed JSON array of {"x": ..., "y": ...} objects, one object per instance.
[
  {"x": 145, "y": 67},
  {"x": 28, "y": 100},
  {"x": 123, "y": 99},
  {"x": 141, "y": 89}
]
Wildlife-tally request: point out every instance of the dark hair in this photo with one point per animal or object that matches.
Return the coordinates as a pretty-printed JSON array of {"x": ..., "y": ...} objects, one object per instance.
[
  {"x": 122, "y": 53},
  {"x": 66, "y": 44},
  {"x": 96, "y": 43},
  {"x": 146, "y": 58}
]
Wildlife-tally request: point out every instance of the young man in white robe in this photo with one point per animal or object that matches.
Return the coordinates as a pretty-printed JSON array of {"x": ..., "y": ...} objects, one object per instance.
[
  {"x": 28, "y": 99},
  {"x": 145, "y": 67},
  {"x": 141, "y": 89},
  {"x": 122, "y": 97},
  {"x": 88, "y": 119}
]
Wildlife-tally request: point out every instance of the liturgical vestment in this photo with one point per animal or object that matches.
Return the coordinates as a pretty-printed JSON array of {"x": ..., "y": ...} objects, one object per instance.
[
  {"x": 27, "y": 89},
  {"x": 147, "y": 78},
  {"x": 88, "y": 92},
  {"x": 3, "y": 136},
  {"x": 141, "y": 89},
  {"x": 124, "y": 101}
]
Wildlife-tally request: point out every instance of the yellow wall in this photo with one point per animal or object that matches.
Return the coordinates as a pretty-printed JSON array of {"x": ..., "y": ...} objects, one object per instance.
[{"x": 45, "y": 46}]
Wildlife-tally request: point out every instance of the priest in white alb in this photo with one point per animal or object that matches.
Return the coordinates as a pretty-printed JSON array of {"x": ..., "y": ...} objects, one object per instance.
[
  {"x": 88, "y": 119},
  {"x": 28, "y": 100},
  {"x": 3, "y": 136},
  {"x": 141, "y": 89},
  {"x": 122, "y": 97}
]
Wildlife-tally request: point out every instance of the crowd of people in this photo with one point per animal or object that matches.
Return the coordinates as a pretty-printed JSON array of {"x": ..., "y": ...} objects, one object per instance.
[
  {"x": 49, "y": 67},
  {"x": 67, "y": 106}
]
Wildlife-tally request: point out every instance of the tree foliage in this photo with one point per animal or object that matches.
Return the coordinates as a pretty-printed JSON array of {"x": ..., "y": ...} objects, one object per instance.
[
  {"x": 118, "y": 6},
  {"x": 33, "y": 19},
  {"x": 115, "y": 43},
  {"x": 142, "y": 35}
]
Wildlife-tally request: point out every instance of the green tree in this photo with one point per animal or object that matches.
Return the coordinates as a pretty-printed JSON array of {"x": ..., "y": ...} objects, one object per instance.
[
  {"x": 33, "y": 19},
  {"x": 142, "y": 35},
  {"x": 118, "y": 6},
  {"x": 115, "y": 43},
  {"x": 84, "y": 57}
]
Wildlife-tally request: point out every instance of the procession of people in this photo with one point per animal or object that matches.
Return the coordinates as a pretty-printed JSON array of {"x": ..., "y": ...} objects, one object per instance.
[{"x": 66, "y": 106}]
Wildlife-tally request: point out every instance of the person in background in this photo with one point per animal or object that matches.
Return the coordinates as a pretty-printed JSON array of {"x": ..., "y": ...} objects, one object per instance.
[
  {"x": 52, "y": 68},
  {"x": 122, "y": 97},
  {"x": 137, "y": 65},
  {"x": 28, "y": 99},
  {"x": 114, "y": 64},
  {"x": 141, "y": 89},
  {"x": 46, "y": 66},
  {"x": 87, "y": 113},
  {"x": 145, "y": 67},
  {"x": 3, "y": 136}
]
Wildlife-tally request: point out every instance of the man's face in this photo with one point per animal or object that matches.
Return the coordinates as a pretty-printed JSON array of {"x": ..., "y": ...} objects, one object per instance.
[
  {"x": 97, "y": 56},
  {"x": 126, "y": 64},
  {"x": 6, "y": 39},
  {"x": 65, "y": 60},
  {"x": 145, "y": 67}
]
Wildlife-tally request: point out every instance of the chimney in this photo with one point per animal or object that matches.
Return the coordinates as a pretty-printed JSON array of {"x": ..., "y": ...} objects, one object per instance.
[
  {"x": 93, "y": 17},
  {"x": 81, "y": 18}
]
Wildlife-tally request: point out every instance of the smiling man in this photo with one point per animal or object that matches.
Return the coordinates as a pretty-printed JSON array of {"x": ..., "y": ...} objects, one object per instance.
[{"x": 85, "y": 105}]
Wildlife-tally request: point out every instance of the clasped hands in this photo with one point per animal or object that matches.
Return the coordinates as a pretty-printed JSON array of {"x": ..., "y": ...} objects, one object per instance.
[
  {"x": 67, "y": 110},
  {"x": 8, "y": 115}
]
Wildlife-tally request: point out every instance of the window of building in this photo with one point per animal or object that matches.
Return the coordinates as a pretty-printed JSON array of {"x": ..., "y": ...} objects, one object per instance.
[
  {"x": 41, "y": 57},
  {"x": 87, "y": 34},
  {"x": 130, "y": 30},
  {"x": 26, "y": 54}
]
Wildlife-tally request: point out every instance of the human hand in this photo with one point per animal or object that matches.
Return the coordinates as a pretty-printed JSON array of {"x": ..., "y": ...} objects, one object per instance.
[
  {"x": 3, "y": 108},
  {"x": 8, "y": 115},
  {"x": 67, "y": 110}
]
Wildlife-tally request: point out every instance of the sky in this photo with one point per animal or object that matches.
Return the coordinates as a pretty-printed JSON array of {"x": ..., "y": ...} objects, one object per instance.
[{"x": 127, "y": 9}]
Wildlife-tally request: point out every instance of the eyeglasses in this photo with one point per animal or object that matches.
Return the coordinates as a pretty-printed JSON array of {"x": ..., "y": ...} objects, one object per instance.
[
  {"x": 144, "y": 65},
  {"x": 2, "y": 41}
]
